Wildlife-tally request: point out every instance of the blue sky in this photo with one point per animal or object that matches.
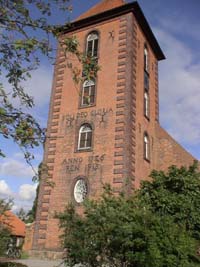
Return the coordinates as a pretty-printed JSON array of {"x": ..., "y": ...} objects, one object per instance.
[{"x": 175, "y": 24}]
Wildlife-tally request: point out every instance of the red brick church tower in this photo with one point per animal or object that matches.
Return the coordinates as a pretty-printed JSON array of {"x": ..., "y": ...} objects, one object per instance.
[{"x": 108, "y": 131}]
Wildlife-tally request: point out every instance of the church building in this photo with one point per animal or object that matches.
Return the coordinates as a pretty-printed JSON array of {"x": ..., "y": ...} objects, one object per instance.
[{"x": 105, "y": 130}]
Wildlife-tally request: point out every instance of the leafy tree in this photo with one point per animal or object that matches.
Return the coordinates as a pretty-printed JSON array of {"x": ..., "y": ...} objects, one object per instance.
[
  {"x": 175, "y": 193},
  {"x": 119, "y": 231},
  {"x": 22, "y": 214},
  {"x": 31, "y": 215},
  {"x": 4, "y": 230},
  {"x": 26, "y": 32}
]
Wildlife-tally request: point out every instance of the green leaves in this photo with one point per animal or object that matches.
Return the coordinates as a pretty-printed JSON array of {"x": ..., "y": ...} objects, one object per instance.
[
  {"x": 127, "y": 231},
  {"x": 26, "y": 35},
  {"x": 4, "y": 229},
  {"x": 89, "y": 64},
  {"x": 175, "y": 194}
]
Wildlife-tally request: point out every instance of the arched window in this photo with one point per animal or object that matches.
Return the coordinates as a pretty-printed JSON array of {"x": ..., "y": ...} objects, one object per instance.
[
  {"x": 85, "y": 137},
  {"x": 88, "y": 93},
  {"x": 92, "y": 44},
  {"x": 146, "y": 59},
  {"x": 146, "y": 103},
  {"x": 146, "y": 147}
]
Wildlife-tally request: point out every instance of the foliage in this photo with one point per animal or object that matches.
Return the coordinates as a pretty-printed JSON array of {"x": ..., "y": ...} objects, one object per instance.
[
  {"x": 175, "y": 193},
  {"x": 31, "y": 215},
  {"x": 89, "y": 64},
  {"x": 4, "y": 239},
  {"x": 21, "y": 47},
  {"x": 24, "y": 255},
  {"x": 22, "y": 214},
  {"x": 120, "y": 231},
  {"x": 4, "y": 231},
  {"x": 26, "y": 33}
]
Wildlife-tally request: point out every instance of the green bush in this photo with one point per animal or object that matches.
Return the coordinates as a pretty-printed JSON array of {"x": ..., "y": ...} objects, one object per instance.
[{"x": 126, "y": 231}]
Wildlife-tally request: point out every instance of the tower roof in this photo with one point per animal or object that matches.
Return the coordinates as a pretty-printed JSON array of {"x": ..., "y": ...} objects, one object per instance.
[
  {"x": 101, "y": 7},
  {"x": 108, "y": 9}
]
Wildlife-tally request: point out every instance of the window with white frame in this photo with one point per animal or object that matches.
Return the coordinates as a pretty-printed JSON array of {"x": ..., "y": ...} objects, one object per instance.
[
  {"x": 92, "y": 44},
  {"x": 88, "y": 93},
  {"x": 146, "y": 147},
  {"x": 146, "y": 59},
  {"x": 85, "y": 137},
  {"x": 80, "y": 190},
  {"x": 146, "y": 103}
]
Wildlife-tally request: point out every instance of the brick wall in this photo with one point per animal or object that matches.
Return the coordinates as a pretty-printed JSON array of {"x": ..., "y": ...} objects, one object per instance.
[
  {"x": 112, "y": 119},
  {"x": 118, "y": 123},
  {"x": 169, "y": 152},
  {"x": 28, "y": 241}
]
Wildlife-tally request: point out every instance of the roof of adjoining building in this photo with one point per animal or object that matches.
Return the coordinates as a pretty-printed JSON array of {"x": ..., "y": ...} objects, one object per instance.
[{"x": 14, "y": 224}]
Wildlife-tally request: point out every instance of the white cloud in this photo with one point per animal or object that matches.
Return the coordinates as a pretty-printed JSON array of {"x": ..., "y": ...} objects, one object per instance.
[
  {"x": 15, "y": 168},
  {"x": 179, "y": 90},
  {"x": 5, "y": 190},
  {"x": 27, "y": 192},
  {"x": 39, "y": 85},
  {"x": 191, "y": 28},
  {"x": 21, "y": 199}
]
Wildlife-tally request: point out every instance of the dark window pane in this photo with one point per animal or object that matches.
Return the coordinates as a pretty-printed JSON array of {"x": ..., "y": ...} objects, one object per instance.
[
  {"x": 89, "y": 48},
  {"x": 89, "y": 139},
  {"x": 95, "y": 48},
  {"x": 145, "y": 62},
  {"x": 82, "y": 140},
  {"x": 92, "y": 90},
  {"x": 91, "y": 99},
  {"x": 146, "y": 81},
  {"x": 85, "y": 98},
  {"x": 92, "y": 94}
]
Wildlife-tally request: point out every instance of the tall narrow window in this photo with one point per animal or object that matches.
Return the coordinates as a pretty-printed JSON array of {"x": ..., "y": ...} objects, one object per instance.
[
  {"x": 146, "y": 59},
  {"x": 146, "y": 147},
  {"x": 146, "y": 103},
  {"x": 92, "y": 44},
  {"x": 146, "y": 80},
  {"x": 88, "y": 93},
  {"x": 85, "y": 137}
]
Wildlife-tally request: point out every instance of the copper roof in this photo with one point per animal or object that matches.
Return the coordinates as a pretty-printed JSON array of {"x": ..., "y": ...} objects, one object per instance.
[
  {"x": 15, "y": 225},
  {"x": 101, "y": 7}
]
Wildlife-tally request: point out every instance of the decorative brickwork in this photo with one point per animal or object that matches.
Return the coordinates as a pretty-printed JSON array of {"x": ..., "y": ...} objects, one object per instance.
[{"x": 53, "y": 123}]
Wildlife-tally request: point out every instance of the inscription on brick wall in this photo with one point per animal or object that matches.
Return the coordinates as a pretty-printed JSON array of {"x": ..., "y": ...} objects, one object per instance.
[
  {"x": 102, "y": 114},
  {"x": 95, "y": 162},
  {"x": 72, "y": 165}
]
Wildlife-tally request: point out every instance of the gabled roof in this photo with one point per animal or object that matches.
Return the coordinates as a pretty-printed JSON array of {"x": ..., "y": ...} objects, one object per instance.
[
  {"x": 119, "y": 10},
  {"x": 101, "y": 7},
  {"x": 14, "y": 224}
]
